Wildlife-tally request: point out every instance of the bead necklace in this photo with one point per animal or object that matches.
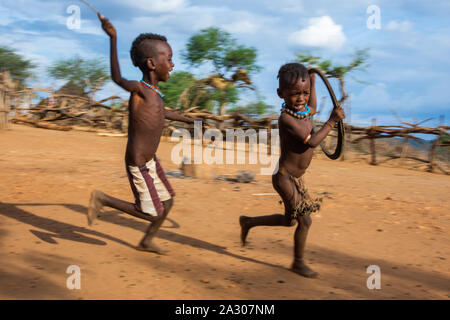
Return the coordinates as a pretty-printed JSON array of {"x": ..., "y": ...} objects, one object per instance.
[
  {"x": 154, "y": 88},
  {"x": 296, "y": 114}
]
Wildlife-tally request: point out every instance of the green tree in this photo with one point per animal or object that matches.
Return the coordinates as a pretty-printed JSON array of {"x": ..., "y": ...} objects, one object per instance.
[
  {"x": 18, "y": 67},
  {"x": 232, "y": 64},
  {"x": 225, "y": 95},
  {"x": 253, "y": 108},
  {"x": 358, "y": 62},
  {"x": 86, "y": 75},
  {"x": 173, "y": 89},
  {"x": 183, "y": 91},
  {"x": 218, "y": 47}
]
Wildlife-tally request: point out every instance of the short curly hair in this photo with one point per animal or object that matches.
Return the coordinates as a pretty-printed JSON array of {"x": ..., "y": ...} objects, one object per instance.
[
  {"x": 142, "y": 47},
  {"x": 289, "y": 74}
]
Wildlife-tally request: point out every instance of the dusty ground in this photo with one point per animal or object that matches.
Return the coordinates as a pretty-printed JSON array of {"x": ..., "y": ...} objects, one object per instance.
[{"x": 395, "y": 218}]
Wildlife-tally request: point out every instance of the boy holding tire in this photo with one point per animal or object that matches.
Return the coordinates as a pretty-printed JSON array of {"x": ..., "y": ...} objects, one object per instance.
[{"x": 297, "y": 141}]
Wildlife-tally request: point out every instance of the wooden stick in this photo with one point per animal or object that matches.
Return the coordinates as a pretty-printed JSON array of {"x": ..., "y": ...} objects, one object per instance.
[
  {"x": 373, "y": 161},
  {"x": 39, "y": 124},
  {"x": 398, "y": 157},
  {"x": 92, "y": 7},
  {"x": 404, "y": 150},
  {"x": 433, "y": 154}
]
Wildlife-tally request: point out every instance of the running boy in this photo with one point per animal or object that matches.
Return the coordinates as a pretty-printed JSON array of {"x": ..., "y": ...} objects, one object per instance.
[
  {"x": 152, "y": 191},
  {"x": 297, "y": 141}
]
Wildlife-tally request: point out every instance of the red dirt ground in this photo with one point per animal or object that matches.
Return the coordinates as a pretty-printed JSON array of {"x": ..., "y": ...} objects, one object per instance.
[{"x": 395, "y": 218}]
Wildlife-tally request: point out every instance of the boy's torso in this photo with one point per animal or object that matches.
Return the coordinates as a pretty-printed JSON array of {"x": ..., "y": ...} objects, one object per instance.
[
  {"x": 146, "y": 122},
  {"x": 295, "y": 155}
]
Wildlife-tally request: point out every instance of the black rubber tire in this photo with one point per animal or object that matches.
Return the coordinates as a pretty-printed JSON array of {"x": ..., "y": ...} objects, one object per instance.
[{"x": 340, "y": 125}]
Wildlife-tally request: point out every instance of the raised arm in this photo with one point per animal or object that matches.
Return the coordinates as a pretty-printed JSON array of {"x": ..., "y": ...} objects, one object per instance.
[
  {"x": 131, "y": 86},
  {"x": 312, "y": 103}
]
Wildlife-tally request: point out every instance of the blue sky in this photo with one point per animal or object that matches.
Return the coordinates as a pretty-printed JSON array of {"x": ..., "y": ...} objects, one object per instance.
[{"x": 408, "y": 65}]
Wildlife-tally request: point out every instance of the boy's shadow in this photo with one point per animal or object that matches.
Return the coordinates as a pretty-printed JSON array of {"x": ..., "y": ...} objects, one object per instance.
[
  {"x": 67, "y": 231},
  {"x": 56, "y": 229}
]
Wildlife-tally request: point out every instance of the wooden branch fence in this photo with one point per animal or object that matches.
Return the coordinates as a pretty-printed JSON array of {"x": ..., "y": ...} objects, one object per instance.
[{"x": 69, "y": 112}]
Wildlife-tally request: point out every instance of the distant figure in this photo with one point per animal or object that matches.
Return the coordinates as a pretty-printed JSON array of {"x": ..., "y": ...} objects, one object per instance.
[
  {"x": 152, "y": 191},
  {"x": 297, "y": 141}
]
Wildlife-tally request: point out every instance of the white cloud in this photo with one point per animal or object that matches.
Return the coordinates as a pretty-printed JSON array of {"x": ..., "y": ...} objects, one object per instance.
[
  {"x": 43, "y": 50},
  {"x": 158, "y": 5},
  {"x": 374, "y": 96},
  {"x": 377, "y": 100},
  {"x": 189, "y": 20},
  {"x": 241, "y": 27},
  {"x": 245, "y": 22},
  {"x": 90, "y": 27},
  {"x": 49, "y": 11},
  {"x": 403, "y": 26},
  {"x": 288, "y": 6},
  {"x": 194, "y": 18},
  {"x": 321, "y": 32}
]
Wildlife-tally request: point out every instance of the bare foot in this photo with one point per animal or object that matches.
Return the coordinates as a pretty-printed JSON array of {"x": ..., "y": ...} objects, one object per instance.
[
  {"x": 151, "y": 248},
  {"x": 95, "y": 205},
  {"x": 244, "y": 229},
  {"x": 302, "y": 269}
]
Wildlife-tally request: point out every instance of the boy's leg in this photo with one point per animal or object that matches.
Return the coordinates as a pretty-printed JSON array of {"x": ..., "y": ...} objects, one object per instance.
[
  {"x": 147, "y": 243},
  {"x": 285, "y": 187},
  {"x": 301, "y": 233},
  {"x": 100, "y": 199},
  {"x": 147, "y": 196},
  {"x": 165, "y": 189},
  {"x": 270, "y": 220}
]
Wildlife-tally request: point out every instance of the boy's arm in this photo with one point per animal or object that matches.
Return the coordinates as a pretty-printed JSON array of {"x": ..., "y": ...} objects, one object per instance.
[
  {"x": 312, "y": 103},
  {"x": 172, "y": 115},
  {"x": 313, "y": 139},
  {"x": 131, "y": 86}
]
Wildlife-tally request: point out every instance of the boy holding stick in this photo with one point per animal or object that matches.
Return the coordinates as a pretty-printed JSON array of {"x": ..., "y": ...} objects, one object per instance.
[{"x": 152, "y": 191}]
